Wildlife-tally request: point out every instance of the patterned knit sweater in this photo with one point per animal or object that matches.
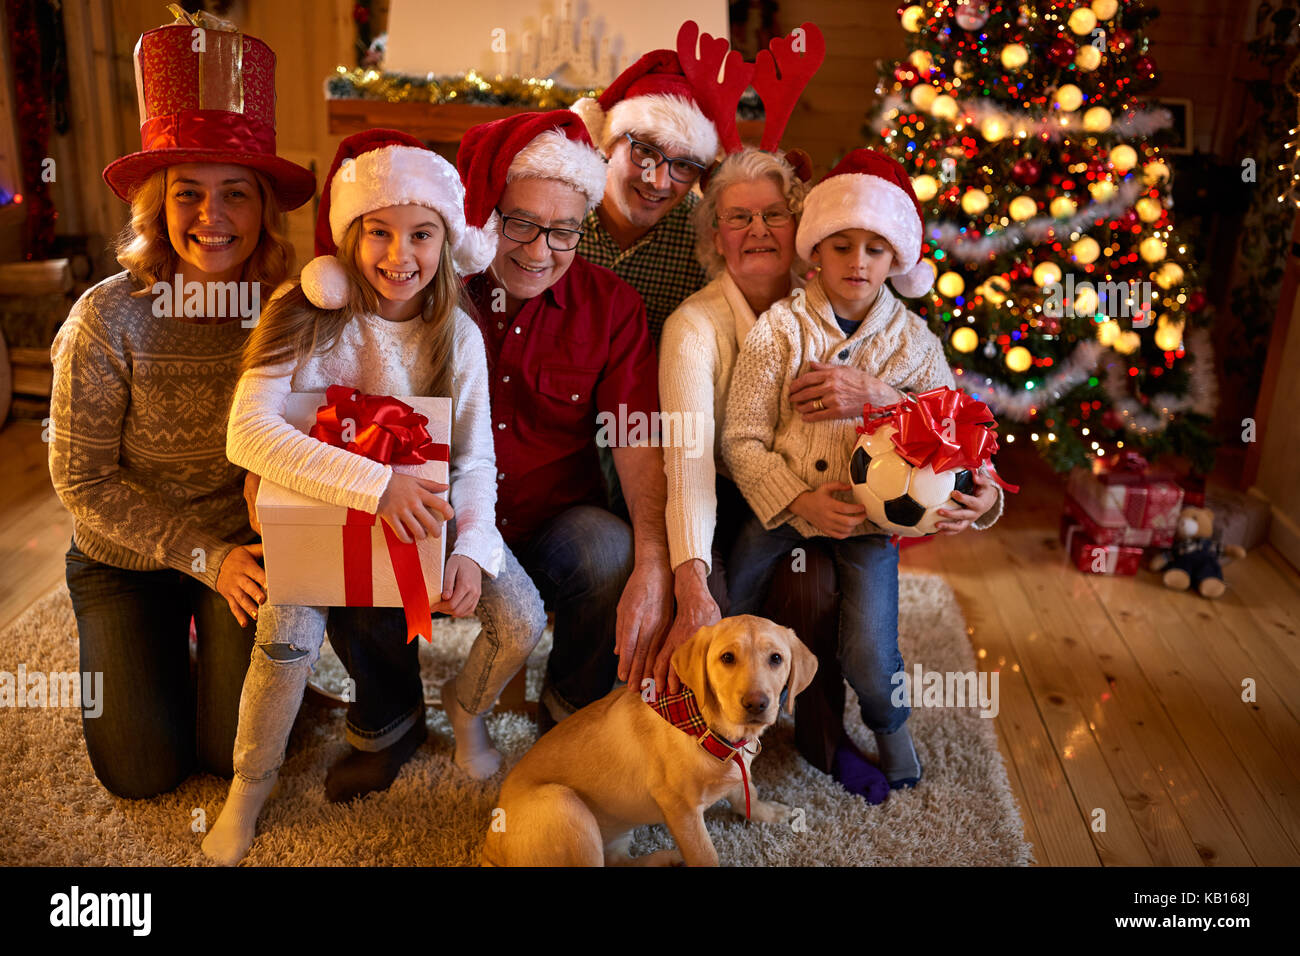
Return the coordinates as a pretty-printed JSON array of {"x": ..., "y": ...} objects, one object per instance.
[
  {"x": 773, "y": 454},
  {"x": 378, "y": 357},
  {"x": 138, "y": 434}
]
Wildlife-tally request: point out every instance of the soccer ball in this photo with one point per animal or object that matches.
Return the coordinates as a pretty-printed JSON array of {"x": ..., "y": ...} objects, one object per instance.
[{"x": 900, "y": 498}]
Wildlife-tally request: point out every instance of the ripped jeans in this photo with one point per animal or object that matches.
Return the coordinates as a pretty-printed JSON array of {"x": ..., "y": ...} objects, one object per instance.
[{"x": 288, "y": 645}]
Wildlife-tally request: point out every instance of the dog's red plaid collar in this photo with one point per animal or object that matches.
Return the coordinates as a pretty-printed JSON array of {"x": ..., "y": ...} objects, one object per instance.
[{"x": 683, "y": 712}]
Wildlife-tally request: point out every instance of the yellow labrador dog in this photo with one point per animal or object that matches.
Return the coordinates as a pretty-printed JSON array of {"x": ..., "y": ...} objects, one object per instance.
[{"x": 576, "y": 796}]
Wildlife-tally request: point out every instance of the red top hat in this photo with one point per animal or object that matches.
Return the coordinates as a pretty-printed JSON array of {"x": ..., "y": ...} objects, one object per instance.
[{"x": 207, "y": 95}]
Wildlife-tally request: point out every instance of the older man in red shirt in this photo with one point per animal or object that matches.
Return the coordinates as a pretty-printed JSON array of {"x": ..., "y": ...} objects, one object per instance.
[{"x": 567, "y": 341}]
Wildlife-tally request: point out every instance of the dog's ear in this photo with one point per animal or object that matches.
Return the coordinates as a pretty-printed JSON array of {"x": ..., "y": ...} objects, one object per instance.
[
  {"x": 803, "y": 665},
  {"x": 690, "y": 660}
]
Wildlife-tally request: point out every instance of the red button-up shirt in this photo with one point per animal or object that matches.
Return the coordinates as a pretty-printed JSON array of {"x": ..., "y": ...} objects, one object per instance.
[{"x": 580, "y": 348}]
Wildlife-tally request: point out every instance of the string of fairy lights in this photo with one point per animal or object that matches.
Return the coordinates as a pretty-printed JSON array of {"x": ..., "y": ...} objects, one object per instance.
[{"x": 1024, "y": 129}]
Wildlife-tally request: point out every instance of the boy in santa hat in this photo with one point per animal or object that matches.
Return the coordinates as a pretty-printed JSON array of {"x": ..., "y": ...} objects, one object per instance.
[{"x": 789, "y": 451}]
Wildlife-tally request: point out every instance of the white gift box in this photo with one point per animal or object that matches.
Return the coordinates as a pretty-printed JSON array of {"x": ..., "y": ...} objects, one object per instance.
[{"x": 302, "y": 537}]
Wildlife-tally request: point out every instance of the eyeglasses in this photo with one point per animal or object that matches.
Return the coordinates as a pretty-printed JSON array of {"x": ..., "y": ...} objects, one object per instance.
[
  {"x": 525, "y": 231},
  {"x": 681, "y": 169},
  {"x": 738, "y": 219}
]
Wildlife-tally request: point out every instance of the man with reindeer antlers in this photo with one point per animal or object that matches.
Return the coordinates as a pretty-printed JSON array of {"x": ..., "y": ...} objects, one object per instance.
[
  {"x": 657, "y": 123},
  {"x": 662, "y": 124}
]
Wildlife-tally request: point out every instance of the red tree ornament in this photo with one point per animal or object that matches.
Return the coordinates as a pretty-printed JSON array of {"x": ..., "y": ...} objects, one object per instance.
[
  {"x": 1027, "y": 171},
  {"x": 1062, "y": 51}
]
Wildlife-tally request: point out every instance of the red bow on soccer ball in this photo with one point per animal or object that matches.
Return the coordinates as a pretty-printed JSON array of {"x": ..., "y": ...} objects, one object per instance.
[
  {"x": 944, "y": 428},
  {"x": 384, "y": 429}
]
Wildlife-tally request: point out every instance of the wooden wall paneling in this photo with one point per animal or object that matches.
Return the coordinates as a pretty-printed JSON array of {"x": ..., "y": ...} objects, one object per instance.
[{"x": 95, "y": 137}]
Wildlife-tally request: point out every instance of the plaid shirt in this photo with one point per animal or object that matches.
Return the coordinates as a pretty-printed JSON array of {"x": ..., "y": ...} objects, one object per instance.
[{"x": 661, "y": 265}]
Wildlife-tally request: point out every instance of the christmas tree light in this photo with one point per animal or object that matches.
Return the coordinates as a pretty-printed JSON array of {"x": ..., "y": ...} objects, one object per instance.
[{"x": 1047, "y": 209}]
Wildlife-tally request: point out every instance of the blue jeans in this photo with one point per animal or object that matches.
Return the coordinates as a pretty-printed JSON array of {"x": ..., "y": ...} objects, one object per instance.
[
  {"x": 867, "y": 569},
  {"x": 159, "y": 724},
  {"x": 579, "y": 561}
]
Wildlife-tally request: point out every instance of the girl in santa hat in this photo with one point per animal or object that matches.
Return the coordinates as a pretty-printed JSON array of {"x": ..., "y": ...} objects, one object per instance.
[
  {"x": 379, "y": 311},
  {"x": 788, "y": 450}
]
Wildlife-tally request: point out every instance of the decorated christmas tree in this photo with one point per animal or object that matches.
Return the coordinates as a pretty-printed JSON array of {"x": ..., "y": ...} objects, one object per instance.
[{"x": 1065, "y": 297}]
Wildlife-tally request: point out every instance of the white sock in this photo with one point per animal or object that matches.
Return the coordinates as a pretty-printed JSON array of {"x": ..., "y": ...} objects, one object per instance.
[
  {"x": 232, "y": 834},
  {"x": 474, "y": 751}
]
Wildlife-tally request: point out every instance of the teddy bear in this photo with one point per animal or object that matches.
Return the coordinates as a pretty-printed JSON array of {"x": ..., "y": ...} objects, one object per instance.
[{"x": 1193, "y": 561}]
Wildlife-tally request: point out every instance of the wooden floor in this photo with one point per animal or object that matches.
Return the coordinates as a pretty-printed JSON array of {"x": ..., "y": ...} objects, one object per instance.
[{"x": 1122, "y": 720}]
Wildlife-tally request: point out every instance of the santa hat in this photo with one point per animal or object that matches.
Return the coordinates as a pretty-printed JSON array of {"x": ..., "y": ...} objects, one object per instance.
[
  {"x": 868, "y": 190},
  {"x": 652, "y": 98},
  {"x": 386, "y": 167},
  {"x": 552, "y": 145}
]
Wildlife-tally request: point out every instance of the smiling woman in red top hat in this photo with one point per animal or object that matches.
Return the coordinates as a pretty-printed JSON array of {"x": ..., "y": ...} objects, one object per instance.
[{"x": 144, "y": 370}]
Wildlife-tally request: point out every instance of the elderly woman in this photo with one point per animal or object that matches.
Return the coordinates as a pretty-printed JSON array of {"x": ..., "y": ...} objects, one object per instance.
[
  {"x": 745, "y": 229},
  {"x": 144, "y": 372}
]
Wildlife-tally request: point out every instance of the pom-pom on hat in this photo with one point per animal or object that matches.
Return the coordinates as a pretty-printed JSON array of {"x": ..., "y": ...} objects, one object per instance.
[
  {"x": 375, "y": 169},
  {"x": 655, "y": 99},
  {"x": 869, "y": 190},
  {"x": 552, "y": 145}
]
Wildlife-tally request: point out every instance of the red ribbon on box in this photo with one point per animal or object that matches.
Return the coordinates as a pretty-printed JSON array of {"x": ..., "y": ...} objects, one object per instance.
[
  {"x": 392, "y": 433},
  {"x": 944, "y": 428}
]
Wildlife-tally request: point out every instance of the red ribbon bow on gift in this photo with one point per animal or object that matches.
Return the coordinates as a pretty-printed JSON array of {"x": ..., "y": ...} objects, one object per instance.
[
  {"x": 944, "y": 428},
  {"x": 384, "y": 429},
  {"x": 392, "y": 433}
]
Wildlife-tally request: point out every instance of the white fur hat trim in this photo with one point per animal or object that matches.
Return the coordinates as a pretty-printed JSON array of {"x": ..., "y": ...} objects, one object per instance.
[
  {"x": 407, "y": 175},
  {"x": 672, "y": 122},
  {"x": 552, "y": 155},
  {"x": 861, "y": 201}
]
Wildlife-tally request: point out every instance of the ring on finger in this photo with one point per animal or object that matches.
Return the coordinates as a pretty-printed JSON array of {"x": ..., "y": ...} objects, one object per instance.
[{"x": 819, "y": 405}]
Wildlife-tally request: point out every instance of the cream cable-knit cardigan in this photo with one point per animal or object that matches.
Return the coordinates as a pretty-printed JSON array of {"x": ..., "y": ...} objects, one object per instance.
[
  {"x": 774, "y": 456},
  {"x": 696, "y": 355},
  {"x": 379, "y": 358}
]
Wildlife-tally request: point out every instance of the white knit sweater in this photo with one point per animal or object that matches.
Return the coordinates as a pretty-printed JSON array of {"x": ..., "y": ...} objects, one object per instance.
[
  {"x": 772, "y": 453},
  {"x": 378, "y": 357},
  {"x": 696, "y": 356}
]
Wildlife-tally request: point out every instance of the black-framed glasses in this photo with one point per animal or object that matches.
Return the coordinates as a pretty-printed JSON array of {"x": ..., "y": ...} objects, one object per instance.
[
  {"x": 679, "y": 168},
  {"x": 739, "y": 219},
  {"x": 525, "y": 231}
]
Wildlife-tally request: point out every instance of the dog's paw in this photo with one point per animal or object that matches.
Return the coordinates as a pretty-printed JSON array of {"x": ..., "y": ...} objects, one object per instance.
[{"x": 767, "y": 811}]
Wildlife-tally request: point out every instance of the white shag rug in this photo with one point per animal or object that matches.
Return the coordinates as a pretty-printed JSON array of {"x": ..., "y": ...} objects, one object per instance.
[{"x": 53, "y": 811}]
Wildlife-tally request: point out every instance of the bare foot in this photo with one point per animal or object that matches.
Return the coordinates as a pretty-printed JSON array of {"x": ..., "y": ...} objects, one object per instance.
[{"x": 474, "y": 751}]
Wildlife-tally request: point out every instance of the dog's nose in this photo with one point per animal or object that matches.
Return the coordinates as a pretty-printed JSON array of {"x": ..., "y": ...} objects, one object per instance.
[{"x": 755, "y": 703}]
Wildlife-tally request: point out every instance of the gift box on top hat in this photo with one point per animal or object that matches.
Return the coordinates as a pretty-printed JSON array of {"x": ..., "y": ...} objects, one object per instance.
[
  {"x": 325, "y": 555},
  {"x": 1091, "y": 557}
]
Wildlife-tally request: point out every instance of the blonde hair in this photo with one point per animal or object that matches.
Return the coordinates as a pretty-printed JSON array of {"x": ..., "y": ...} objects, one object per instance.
[
  {"x": 746, "y": 166},
  {"x": 292, "y": 329},
  {"x": 144, "y": 249}
]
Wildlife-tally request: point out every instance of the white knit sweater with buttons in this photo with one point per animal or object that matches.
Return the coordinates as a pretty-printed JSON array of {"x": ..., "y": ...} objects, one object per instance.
[
  {"x": 378, "y": 357},
  {"x": 772, "y": 452},
  {"x": 697, "y": 353}
]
